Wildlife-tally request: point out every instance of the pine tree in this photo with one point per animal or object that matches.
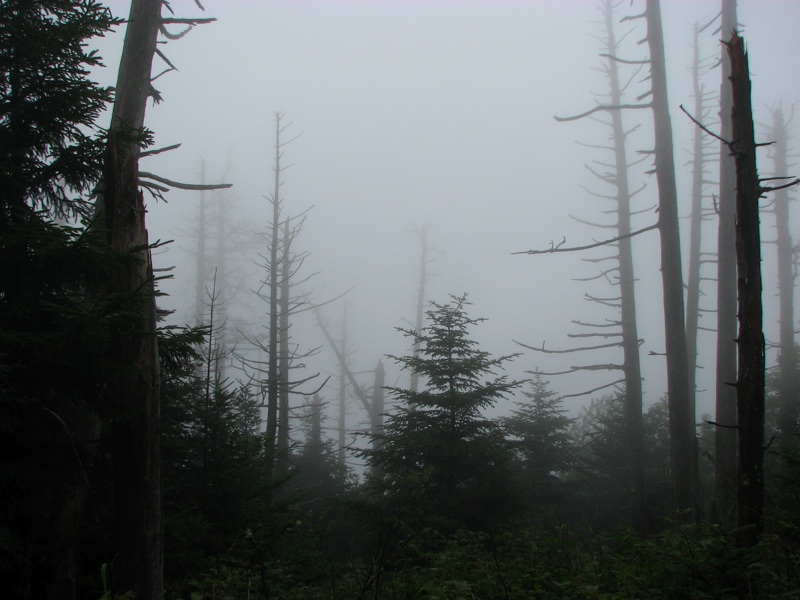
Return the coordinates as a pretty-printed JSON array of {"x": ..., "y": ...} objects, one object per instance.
[
  {"x": 542, "y": 443},
  {"x": 441, "y": 462}
]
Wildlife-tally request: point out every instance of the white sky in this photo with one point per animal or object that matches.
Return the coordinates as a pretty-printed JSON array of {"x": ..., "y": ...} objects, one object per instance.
[{"x": 440, "y": 114}]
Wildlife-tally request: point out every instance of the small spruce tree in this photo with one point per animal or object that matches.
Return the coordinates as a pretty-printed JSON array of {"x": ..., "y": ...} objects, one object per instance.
[
  {"x": 543, "y": 447},
  {"x": 442, "y": 463}
]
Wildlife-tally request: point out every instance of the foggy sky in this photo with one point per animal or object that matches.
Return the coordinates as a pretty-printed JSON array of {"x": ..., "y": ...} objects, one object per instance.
[{"x": 436, "y": 114}]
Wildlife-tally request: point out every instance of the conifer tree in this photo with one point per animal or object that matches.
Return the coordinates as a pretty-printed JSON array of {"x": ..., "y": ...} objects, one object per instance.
[{"x": 442, "y": 462}]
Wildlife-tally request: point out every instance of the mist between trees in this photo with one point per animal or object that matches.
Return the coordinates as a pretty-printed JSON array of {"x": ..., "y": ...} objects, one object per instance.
[{"x": 396, "y": 369}]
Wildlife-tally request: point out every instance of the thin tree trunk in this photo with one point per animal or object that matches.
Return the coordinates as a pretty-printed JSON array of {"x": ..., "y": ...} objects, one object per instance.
[
  {"x": 696, "y": 223},
  {"x": 283, "y": 356},
  {"x": 423, "y": 279},
  {"x": 788, "y": 388},
  {"x": 273, "y": 377},
  {"x": 634, "y": 426},
  {"x": 342, "y": 393},
  {"x": 725, "y": 433},
  {"x": 683, "y": 448},
  {"x": 750, "y": 341},
  {"x": 137, "y": 537},
  {"x": 200, "y": 271},
  {"x": 220, "y": 289}
]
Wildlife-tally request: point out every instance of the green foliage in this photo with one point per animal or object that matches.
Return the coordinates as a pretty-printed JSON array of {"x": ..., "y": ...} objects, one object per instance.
[
  {"x": 48, "y": 105},
  {"x": 441, "y": 463},
  {"x": 543, "y": 449}
]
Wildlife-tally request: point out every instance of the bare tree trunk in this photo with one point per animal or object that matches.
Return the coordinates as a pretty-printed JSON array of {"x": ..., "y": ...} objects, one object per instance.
[
  {"x": 699, "y": 155},
  {"x": 200, "y": 272},
  {"x": 273, "y": 377},
  {"x": 283, "y": 356},
  {"x": 683, "y": 447},
  {"x": 725, "y": 433},
  {"x": 221, "y": 280},
  {"x": 750, "y": 341},
  {"x": 137, "y": 538},
  {"x": 788, "y": 388},
  {"x": 420, "y": 316},
  {"x": 634, "y": 427},
  {"x": 342, "y": 420}
]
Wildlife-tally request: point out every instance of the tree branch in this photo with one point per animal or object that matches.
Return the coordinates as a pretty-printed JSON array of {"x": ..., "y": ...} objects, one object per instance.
[{"x": 559, "y": 248}]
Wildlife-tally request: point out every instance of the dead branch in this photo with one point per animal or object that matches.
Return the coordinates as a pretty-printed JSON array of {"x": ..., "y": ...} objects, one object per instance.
[
  {"x": 592, "y": 391},
  {"x": 558, "y": 248},
  {"x": 601, "y": 108},
  {"x": 183, "y": 186},
  {"x": 567, "y": 351}
]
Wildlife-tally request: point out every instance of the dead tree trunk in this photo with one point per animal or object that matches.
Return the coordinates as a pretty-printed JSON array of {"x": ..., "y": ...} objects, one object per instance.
[
  {"x": 284, "y": 359},
  {"x": 137, "y": 536},
  {"x": 725, "y": 432},
  {"x": 750, "y": 341},
  {"x": 788, "y": 385},
  {"x": 700, "y": 153},
  {"x": 683, "y": 447},
  {"x": 634, "y": 427},
  {"x": 200, "y": 271},
  {"x": 342, "y": 420},
  {"x": 273, "y": 267},
  {"x": 420, "y": 316}
]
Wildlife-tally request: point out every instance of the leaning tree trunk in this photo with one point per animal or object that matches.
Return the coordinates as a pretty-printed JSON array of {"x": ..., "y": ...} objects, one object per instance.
[
  {"x": 725, "y": 432},
  {"x": 134, "y": 388},
  {"x": 683, "y": 447},
  {"x": 750, "y": 341}
]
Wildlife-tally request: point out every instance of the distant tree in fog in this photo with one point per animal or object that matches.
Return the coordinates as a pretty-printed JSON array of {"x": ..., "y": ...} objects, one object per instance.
[{"x": 540, "y": 438}]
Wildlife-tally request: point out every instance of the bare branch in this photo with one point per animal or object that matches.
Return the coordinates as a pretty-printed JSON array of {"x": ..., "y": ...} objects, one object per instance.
[
  {"x": 592, "y": 391},
  {"x": 559, "y": 248},
  {"x": 159, "y": 150},
  {"x": 184, "y": 186},
  {"x": 580, "y": 349},
  {"x": 601, "y": 108}
]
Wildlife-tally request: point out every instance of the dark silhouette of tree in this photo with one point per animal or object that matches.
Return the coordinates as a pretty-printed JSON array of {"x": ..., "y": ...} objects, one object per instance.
[
  {"x": 132, "y": 348},
  {"x": 52, "y": 342},
  {"x": 281, "y": 265},
  {"x": 440, "y": 461},
  {"x": 683, "y": 445},
  {"x": 750, "y": 383}
]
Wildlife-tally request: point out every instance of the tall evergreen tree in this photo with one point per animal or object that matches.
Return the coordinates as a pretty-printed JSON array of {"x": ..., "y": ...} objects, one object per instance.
[
  {"x": 442, "y": 463},
  {"x": 50, "y": 331}
]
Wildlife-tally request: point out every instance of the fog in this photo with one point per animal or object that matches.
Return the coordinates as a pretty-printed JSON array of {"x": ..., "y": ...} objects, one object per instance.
[{"x": 436, "y": 114}]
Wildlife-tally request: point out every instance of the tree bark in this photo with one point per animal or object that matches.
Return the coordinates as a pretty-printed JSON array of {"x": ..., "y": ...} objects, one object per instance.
[
  {"x": 134, "y": 389},
  {"x": 683, "y": 447},
  {"x": 750, "y": 341},
  {"x": 725, "y": 433}
]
